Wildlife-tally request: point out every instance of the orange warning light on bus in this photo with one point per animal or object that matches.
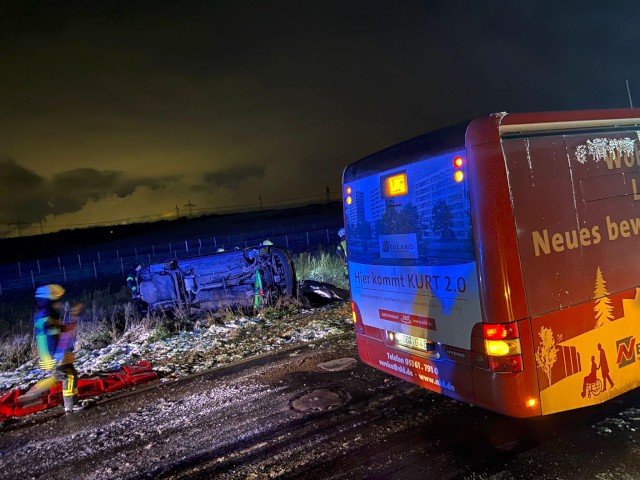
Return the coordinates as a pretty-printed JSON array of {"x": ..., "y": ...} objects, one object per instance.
[{"x": 396, "y": 185}]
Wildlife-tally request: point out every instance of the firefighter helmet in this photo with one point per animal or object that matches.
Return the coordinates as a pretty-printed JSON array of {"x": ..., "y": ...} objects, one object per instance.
[
  {"x": 267, "y": 242},
  {"x": 50, "y": 292}
]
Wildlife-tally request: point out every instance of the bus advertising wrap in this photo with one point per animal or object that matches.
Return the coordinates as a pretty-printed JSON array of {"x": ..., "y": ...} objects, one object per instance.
[
  {"x": 579, "y": 249},
  {"x": 412, "y": 269},
  {"x": 439, "y": 303}
]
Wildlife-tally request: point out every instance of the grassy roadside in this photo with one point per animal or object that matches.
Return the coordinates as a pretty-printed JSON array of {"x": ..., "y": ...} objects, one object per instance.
[{"x": 109, "y": 316}]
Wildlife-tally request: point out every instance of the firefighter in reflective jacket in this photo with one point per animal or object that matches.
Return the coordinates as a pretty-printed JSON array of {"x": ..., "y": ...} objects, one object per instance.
[
  {"x": 341, "y": 250},
  {"x": 54, "y": 340},
  {"x": 132, "y": 281}
]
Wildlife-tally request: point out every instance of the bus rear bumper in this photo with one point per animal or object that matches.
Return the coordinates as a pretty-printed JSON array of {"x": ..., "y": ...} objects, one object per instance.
[
  {"x": 515, "y": 395},
  {"x": 441, "y": 376}
]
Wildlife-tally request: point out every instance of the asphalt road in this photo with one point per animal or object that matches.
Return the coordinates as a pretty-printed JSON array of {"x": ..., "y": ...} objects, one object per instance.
[{"x": 292, "y": 415}]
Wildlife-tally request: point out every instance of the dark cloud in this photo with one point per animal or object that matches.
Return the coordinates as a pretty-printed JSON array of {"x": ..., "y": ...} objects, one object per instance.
[
  {"x": 232, "y": 177},
  {"x": 24, "y": 193},
  {"x": 30, "y": 198}
]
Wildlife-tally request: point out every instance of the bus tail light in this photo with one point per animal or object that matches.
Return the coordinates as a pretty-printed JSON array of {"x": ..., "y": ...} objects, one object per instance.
[
  {"x": 500, "y": 331},
  {"x": 356, "y": 317},
  {"x": 502, "y": 348},
  {"x": 502, "y": 345}
]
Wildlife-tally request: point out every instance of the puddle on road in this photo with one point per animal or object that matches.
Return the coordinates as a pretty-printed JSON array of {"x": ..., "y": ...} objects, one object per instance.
[
  {"x": 319, "y": 400},
  {"x": 338, "y": 364}
]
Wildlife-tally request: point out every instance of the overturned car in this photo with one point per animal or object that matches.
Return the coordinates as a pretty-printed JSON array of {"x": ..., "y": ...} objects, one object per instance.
[{"x": 237, "y": 278}]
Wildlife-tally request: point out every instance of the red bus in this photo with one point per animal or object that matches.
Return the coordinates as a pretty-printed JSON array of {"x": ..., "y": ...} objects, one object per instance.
[{"x": 498, "y": 261}]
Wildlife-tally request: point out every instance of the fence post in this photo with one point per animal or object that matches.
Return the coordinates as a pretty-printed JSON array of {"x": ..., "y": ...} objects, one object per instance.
[
  {"x": 122, "y": 267},
  {"x": 215, "y": 243},
  {"x": 64, "y": 272},
  {"x": 79, "y": 262},
  {"x": 19, "y": 270},
  {"x": 59, "y": 265},
  {"x": 308, "y": 246},
  {"x": 328, "y": 241},
  {"x": 286, "y": 237},
  {"x": 33, "y": 283},
  {"x": 39, "y": 272},
  {"x": 169, "y": 248},
  {"x": 95, "y": 272},
  {"x": 186, "y": 246}
]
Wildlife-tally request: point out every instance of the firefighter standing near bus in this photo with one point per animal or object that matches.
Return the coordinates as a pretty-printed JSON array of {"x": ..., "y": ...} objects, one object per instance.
[
  {"x": 55, "y": 341},
  {"x": 341, "y": 250}
]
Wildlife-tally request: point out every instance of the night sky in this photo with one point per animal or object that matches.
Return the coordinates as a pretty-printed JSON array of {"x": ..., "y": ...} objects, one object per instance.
[{"x": 113, "y": 110}]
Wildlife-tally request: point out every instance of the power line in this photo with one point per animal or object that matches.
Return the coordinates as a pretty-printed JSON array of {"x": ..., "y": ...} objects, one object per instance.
[{"x": 232, "y": 208}]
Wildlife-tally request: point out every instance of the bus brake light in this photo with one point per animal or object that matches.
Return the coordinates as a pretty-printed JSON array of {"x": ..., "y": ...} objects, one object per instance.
[
  {"x": 457, "y": 162},
  {"x": 499, "y": 331}
]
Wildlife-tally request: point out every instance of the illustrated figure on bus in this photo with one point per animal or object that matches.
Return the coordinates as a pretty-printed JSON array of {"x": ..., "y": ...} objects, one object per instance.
[
  {"x": 604, "y": 367},
  {"x": 591, "y": 383}
]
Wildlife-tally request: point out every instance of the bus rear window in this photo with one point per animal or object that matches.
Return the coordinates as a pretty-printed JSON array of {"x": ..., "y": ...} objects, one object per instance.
[{"x": 418, "y": 215}]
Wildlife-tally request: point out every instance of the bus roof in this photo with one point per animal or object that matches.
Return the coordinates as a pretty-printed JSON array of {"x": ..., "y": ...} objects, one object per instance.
[
  {"x": 451, "y": 138},
  {"x": 551, "y": 122},
  {"x": 427, "y": 145}
]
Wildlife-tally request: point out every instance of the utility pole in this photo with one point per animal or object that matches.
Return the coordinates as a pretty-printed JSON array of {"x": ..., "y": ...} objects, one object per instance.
[
  {"x": 41, "y": 230},
  {"x": 19, "y": 224},
  {"x": 629, "y": 93},
  {"x": 177, "y": 212},
  {"x": 189, "y": 208}
]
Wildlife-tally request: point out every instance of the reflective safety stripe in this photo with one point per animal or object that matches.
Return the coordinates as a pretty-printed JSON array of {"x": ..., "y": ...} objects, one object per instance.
[
  {"x": 46, "y": 363},
  {"x": 72, "y": 387}
]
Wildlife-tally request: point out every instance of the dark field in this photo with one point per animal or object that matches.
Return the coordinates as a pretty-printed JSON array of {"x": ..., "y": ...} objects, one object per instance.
[{"x": 85, "y": 260}]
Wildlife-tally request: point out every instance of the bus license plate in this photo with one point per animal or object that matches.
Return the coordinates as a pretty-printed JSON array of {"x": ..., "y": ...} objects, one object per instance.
[{"x": 412, "y": 342}]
